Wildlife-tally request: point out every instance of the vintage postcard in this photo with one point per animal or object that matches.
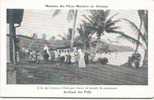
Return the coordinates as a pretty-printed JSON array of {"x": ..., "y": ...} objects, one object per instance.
[{"x": 64, "y": 50}]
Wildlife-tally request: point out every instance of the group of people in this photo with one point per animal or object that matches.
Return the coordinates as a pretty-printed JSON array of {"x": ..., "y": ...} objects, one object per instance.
[
  {"x": 74, "y": 56},
  {"x": 69, "y": 56},
  {"x": 34, "y": 56}
]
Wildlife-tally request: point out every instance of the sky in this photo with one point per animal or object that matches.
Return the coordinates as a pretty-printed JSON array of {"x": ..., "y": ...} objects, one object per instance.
[{"x": 42, "y": 22}]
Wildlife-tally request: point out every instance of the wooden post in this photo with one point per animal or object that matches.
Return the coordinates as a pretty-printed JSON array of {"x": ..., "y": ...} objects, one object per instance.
[{"x": 12, "y": 43}]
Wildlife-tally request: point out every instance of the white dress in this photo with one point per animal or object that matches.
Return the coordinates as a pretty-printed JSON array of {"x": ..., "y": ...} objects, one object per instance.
[
  {"x": 72, "y": 58},
  {"x": 81, "y": 60}
]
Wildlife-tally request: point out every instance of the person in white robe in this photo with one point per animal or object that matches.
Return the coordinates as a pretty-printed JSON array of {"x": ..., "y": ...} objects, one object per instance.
[
  {"x": 81, "y": 59},
  {"x": 48, "y": 52}
]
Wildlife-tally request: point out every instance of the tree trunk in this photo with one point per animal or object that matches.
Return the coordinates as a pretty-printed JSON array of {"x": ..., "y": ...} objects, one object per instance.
[
  {"x": 97, "y": 44},
  {"x": 141, "y": 22},
  {"x": 74, "y": 27},
  {"x": 137, "y": 44},
  {"x": 145, "y": 60},
  {"x": 12, "y": 43},
  {"x": 143, "y": 25},
  {"x": 144, "y": 56}
]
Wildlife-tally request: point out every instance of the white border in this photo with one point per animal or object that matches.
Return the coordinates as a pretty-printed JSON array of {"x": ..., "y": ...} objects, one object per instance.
[{"x": 124, "y": 91}]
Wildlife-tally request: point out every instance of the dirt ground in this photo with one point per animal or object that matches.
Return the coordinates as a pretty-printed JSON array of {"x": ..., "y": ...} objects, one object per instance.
[{"x": 68, "y": 74}]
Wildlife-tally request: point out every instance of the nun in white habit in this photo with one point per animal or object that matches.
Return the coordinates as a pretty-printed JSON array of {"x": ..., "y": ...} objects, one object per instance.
[{"x": 81, "y": 59}]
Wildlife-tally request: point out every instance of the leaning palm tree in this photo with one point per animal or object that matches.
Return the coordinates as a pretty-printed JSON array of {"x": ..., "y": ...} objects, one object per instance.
[
  {"x": 140, "y": 26},
  {"x": 72, "y": 15},
  {"x": 141, "y": 30},
  {"x": 144, "y": 18},
  {"x": 142, "y": 33},
  {"x": 143, "y": 15}
]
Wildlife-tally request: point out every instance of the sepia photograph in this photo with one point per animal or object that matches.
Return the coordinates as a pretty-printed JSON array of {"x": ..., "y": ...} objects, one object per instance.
[{"x": 77, "y": 46}]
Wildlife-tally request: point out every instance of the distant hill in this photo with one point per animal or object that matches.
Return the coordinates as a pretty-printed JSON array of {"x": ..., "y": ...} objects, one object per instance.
[
  {"x": 111, "y": 47},
  {"x": 120, "y": 48},
  {"x": 38, "y": 44}
]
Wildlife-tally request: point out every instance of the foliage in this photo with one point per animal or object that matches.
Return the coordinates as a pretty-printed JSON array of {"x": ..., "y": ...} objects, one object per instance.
[
  {"x": 103, "y": 60},
  {"x": 139, "y": 32},
  {"x": 85, "y": 32},
  {"x": 100, "y": 22}
]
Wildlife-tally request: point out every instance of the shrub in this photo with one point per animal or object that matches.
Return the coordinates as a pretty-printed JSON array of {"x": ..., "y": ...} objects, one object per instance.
[{"x": 103, "y": 60}]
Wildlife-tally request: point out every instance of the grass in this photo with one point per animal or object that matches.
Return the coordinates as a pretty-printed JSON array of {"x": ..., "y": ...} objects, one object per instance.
[{"x": 93, "y": 74}]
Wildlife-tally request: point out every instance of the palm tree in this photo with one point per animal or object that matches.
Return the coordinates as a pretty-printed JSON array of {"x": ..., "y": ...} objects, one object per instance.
[
  {"x": 141, "y": 31},
  {"x": 144, "y": 18},
  {"x": 101, "y": 23},
  {"x": 85, "y": 32},
  {"x": 141, "y": 22},
  {"x": 72, "y": 15},
  {"x": 143, "y": 15},
  {"x": 142, "y": 35},
  {"x": 85, "y": 36}
]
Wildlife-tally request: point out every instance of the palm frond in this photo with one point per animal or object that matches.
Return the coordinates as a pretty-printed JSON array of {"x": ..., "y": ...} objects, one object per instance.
[
  {"x": 103, "y": 14},
  {"x": 138, "y": 30},
  {"x": 108, "y": 29},
  {"x": 111, "y": 23},
  {"x": 89, "y": 20},
  {"x": 90, "y": 26},
  {"x": 56, "y": 12},
  {"x": 127, "y": 37},
  {"x": 107, "y": 13},
  {"x": 111, "y": 17},
  {"x": 70, "y": 15},
  {"x": 131, "y": 40}
]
